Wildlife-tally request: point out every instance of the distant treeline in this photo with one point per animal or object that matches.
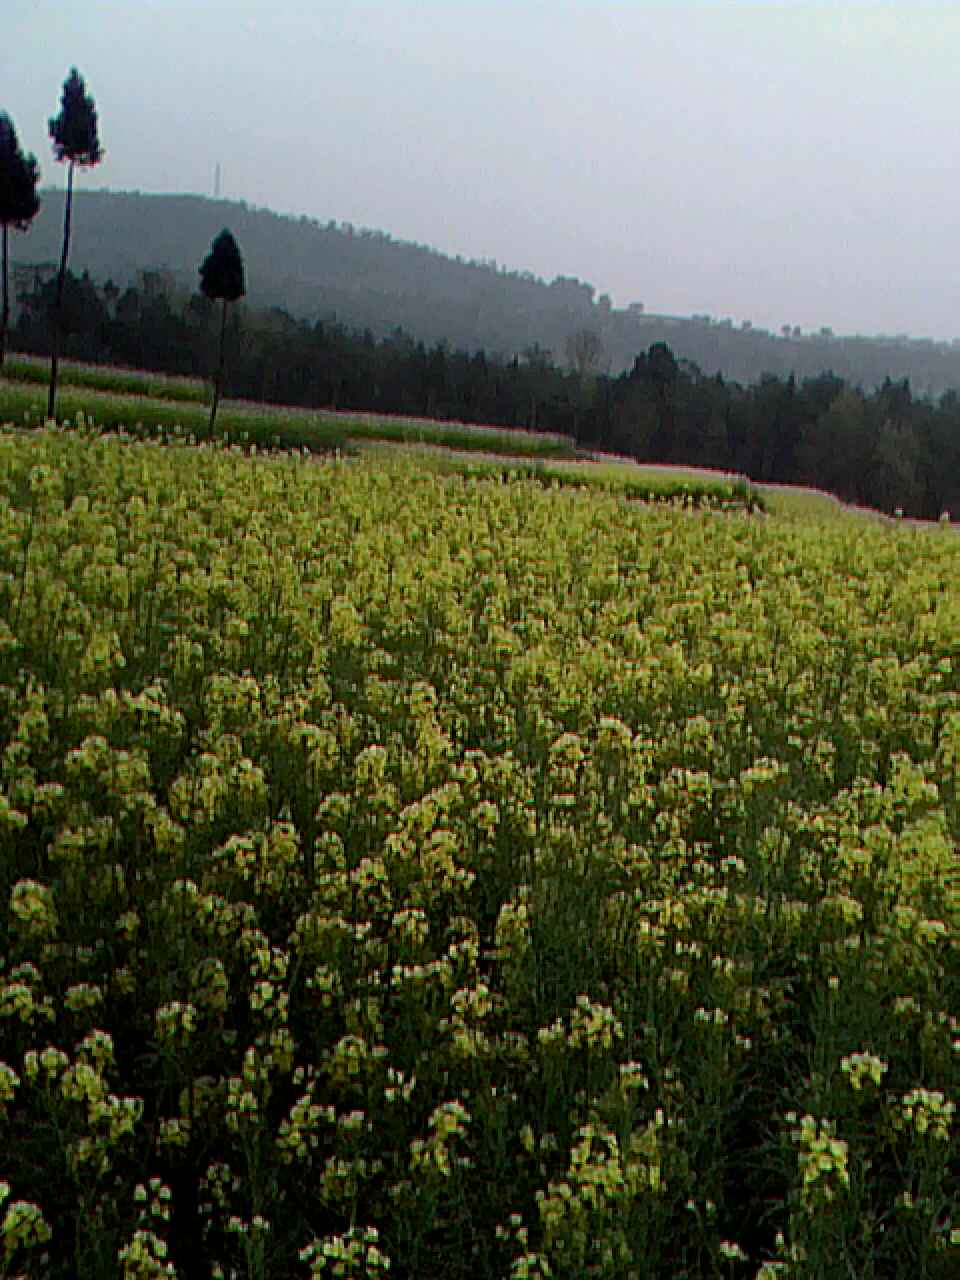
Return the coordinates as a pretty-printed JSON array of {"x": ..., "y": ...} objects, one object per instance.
[{"x": 886, "y": 449}]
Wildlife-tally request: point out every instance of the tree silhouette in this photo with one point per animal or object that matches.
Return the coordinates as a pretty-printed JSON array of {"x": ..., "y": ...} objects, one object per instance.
[
  {"x": 75, "y": 142},
  {"x": 18, "y": 205},
  {"x": 221, "y": 277},
  {"x": 584, "y": 352},
  {"x": 660, "y": 371}
]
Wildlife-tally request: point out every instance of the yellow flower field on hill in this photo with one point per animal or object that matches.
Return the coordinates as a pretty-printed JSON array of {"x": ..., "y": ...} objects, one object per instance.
[{"x": 418, "y": 875}]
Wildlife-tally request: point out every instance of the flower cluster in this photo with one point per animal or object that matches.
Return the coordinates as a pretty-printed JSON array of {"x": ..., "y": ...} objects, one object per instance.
[{"x": 822, "y": 1159}]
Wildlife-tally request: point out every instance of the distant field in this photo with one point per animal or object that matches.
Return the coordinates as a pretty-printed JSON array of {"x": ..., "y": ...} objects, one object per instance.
[
  {"x": 799, "y": 503},
  {"x": 113, "y": 400},
  {"x": 689, "y": 486},
  {"x": 149, "y": 405},
  {"x": 32, "y": 370}
]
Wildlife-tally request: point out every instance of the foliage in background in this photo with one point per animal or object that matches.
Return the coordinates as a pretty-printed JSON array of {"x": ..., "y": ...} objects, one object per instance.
[
  {"x": 19, "y": 205},
  {"x": 887, "y": 449},
  {"x": 411, "y": 871},
  {"x": 76, "y": 141}
]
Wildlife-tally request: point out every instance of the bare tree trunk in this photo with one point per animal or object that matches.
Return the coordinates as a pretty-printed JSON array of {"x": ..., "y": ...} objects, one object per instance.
[
  {"x": 218, "y": 380},
  {"x": 58, "y": 302},
  {"x": 5, "y": 310}
]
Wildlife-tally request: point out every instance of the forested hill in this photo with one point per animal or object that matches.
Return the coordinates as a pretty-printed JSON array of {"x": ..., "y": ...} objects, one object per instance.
[{"x": 366, "y": 280}]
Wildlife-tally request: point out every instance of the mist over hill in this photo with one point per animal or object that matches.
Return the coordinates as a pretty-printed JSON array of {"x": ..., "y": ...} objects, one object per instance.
[{"x": 367, "y": 280}]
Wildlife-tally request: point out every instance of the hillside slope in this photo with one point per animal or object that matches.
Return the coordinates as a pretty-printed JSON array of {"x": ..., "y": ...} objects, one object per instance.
[{"x": 366, "y": 279}]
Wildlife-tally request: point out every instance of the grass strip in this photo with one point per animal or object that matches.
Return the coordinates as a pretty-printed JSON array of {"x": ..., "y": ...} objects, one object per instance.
[
  {"x": 266, "y": 426},
  {"x": 713, "y": 490},
  {"x": 34, "y": 371}
]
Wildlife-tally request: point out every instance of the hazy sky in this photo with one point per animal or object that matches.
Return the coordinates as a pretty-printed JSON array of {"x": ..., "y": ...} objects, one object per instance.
[{"x": 783, "y": 162}]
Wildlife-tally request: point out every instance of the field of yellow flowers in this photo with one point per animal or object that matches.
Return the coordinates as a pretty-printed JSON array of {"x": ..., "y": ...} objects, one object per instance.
[{"x": 408, "y": 874}]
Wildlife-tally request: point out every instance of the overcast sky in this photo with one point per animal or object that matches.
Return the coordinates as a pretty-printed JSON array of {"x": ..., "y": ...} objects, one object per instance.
[{"x": 780, "y": 162}]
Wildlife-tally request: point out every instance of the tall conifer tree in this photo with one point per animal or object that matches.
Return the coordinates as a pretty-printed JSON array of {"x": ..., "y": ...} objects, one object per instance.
[
  {"x": 221, "y": 277},
  {"x": 18, "y": 206},
  {"x": 75, "y": 142}
]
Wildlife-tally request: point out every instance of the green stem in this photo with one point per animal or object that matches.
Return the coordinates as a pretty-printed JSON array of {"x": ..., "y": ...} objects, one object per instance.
[{"x": 218, "y": 381}]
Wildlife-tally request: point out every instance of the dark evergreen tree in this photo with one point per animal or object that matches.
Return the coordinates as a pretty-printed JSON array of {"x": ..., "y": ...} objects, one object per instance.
[
  {"x": 18, "y": 205},
  {"x": 75, "y": 142},
  {"x": 659, "y": 370},
  {"x": 221, "y": 278}
]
